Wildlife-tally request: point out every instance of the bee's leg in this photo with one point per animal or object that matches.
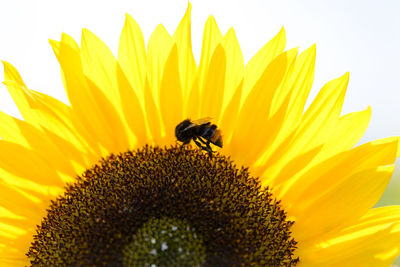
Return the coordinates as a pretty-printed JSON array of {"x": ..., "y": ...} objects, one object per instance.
[
  {"x": 182, "y": 145},
  {"x": 209, "y": 149},
  {"x": 201, "y": 146},
  {"x": 207, "y": 146},
  {"x": 197, "y": 143},
  {"x": 179, "y": 144},
  {"x": 202, "y": 140}
]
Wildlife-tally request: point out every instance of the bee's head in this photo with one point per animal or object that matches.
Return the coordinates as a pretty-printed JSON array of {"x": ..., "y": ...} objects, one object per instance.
[{"x": 180, "y": 133}]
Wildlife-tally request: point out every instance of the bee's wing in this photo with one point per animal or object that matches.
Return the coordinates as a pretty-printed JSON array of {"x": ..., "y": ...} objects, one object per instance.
[
  {"x": 188, "y": 127},
  {"x": 202, "y": 121}
]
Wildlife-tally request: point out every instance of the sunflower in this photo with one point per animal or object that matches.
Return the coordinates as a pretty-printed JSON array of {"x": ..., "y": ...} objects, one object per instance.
[{"x": 103, "y": 182}]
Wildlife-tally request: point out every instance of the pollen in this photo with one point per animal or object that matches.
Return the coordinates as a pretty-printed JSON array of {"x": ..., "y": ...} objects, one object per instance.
[{"x": 148, "y": 205}]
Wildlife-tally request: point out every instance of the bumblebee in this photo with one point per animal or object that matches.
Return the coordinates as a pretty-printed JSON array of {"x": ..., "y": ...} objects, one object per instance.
[{"x": 201, "y": 131}]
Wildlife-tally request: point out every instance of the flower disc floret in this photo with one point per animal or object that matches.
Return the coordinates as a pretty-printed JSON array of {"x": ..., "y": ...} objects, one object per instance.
[{"x": 112, "y": 204}]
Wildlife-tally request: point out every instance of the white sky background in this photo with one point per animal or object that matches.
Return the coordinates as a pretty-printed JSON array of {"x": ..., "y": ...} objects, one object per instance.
[{"x": 362, "y": 37}]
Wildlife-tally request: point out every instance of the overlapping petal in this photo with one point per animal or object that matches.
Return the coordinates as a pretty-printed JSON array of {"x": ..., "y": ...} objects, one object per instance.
[{"x": 373, "y": 240}]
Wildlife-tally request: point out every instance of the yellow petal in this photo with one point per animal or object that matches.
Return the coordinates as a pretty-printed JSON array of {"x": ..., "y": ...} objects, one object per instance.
[
  {"x": 187, "y": 64},
  {"x": 255, "y": 112},
  {"x": 211, "y": 37},
  {"x": 54, "y": 116},
  {"x": 68, "y": 55},
  {"x": 374, "y": 240},
  {"x": 79, "y": 94},
  {"x": 256, "y": 66},
  {"x": 171, "y": 99},
  {"x": 132, "y": 109},
  {"x": 8, "y": 261},
  {"x": 152, "y": 114},
  {"x": 341, "y": 204},
  {"x": 132, "y": 55},
  {"x": 33, "y": 188},
  {"x": 11, "y": 73},
  {"x": 337, "y": 168},
  {"x": 99, "y": 65},
  {"x": 230, "y": 114},
  {"x": 213, "y": 91},
  {"x": 331, "y": 95},
  {"x": 12, "y": 199},
  {"x": 13, "y": 251},
  {"x": 56, "y": 154},
  {"x": 289, "y": 100},
  {"x": 302, "y": 79},
  {"x": 234, "y": 65},
  {"x": 192, "y": 109},
  {"x": 322, "y": 115},
  {"x": 22, "y": 222},
  {"x": 100, "y": 68},
  {"x": 158, "y": 50},
  {"x": 13, "y": 129},
  {"x": 132, "y": 61},
  {"x": 348, "y": 131},
  {"x": 296, "y": 86},
  {"x": 9, "y": 232},
  {"x": 16, "y": 86},
  {"x": 313, "y": 131},
  {"x": 35, "y": 168}
]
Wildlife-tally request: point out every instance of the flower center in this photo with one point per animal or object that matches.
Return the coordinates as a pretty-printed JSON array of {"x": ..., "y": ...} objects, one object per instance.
[
  {"x": 165, "y": 242},
  {"x": 124, "y": 210}
]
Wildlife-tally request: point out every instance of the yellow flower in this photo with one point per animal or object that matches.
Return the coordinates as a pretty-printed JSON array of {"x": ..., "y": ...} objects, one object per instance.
[{"x": 325, "y": 185}]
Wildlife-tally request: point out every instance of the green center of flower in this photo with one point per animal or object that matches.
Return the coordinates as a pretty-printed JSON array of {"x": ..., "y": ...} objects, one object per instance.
[
  {"x": 165, "y": 242},
  {"x": 124, "y": 211}
]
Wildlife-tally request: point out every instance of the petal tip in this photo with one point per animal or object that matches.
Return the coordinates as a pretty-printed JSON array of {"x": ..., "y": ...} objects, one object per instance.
[
  {"x": 86, "y": 32},
  {"x": 345, "y": 77},
  {"x": 231, "y": 31},
  {"x": 10, "y": 83},
  {"x": 294, "y": 50},
  {"x": 128, "y": 18},
  {"x": 211, "y": 19},
  {"x": 281, "y": 34},
  {"x": 189, "y": 7},
  {"x": 4, "y": 64},
  {"x": 311, "y": 51},
  {"x": 160, "y": 26}
]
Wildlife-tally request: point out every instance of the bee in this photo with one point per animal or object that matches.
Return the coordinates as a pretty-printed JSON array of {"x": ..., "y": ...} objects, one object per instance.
[{"x": 201, "y": 131}]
